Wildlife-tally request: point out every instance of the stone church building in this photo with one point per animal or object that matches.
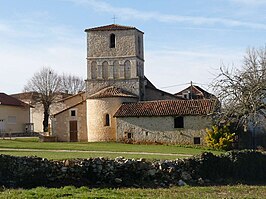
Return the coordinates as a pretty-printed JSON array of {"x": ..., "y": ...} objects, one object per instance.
[{"x": 121, "y": 104}]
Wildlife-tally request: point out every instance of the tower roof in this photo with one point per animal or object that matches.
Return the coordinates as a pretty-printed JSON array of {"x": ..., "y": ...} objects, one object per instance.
[{"x": 112, "y": 27}]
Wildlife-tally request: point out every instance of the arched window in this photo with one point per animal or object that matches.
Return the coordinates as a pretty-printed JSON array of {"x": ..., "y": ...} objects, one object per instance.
[
  {"x": 112, "y": 40},
  {"x": 107, "y": 120},
  {"x": 127, "y": 69},
  {"x": 116, "y": 70},
  {"x": 105, "y": 70},
  {"x": 93, "y": 70}
]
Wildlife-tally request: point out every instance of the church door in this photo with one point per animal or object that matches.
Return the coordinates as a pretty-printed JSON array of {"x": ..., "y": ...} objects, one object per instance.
[{"x": 73, "y": 130}]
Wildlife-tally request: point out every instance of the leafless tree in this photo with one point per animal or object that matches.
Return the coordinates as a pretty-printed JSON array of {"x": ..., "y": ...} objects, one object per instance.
[
  {"x": 47, "y": 83},
  {"x": 242, "y": 90},
  {"x": 72, "y": 84}
]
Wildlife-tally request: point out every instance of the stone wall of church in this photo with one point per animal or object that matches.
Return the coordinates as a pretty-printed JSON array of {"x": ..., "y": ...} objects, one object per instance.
[
  {"x": 97, "y": 109},
  {"x": 126, "y": 44},
  {"x": 115, "y": 68},
  {"x": 60, "y": 123},
  {"x": 161, "y": 129}
]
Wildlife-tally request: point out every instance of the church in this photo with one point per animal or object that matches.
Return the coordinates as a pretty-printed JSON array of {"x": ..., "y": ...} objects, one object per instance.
[{"x": 121, "y": 104}]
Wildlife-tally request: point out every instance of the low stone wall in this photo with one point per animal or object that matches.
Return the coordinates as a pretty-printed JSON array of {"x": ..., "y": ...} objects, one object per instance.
[{"x": 232, "y": 167}]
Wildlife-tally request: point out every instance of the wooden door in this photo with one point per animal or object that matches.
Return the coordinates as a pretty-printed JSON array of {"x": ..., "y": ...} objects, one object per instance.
[{"x": 73, "y": 130}]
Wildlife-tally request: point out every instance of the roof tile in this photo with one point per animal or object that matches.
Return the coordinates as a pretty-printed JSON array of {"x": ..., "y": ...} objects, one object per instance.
[
  {"x": 167, "y": 108},
  {"x": 111, "y": 27},
  {"x": 112, "y": 92},
  {"x": 10, "y": 101}
]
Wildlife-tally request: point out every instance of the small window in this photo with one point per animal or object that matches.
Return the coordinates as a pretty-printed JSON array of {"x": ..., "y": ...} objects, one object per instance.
[
  {"x": 73, "y": 113},
  {"x": 147, "y": 133},
  {"x": 107, "y": 120},
  {"x": 12, "y": 120},
  {"x": 196, "y": 140},
  {"x": 179, "y": 122},
  {"x": 129, "y": 135},
  {"x": 112, "y": 41}
]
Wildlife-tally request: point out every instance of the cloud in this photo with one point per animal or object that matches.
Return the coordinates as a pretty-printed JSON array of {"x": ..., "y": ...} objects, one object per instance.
[{"x": 128, "y": 13}]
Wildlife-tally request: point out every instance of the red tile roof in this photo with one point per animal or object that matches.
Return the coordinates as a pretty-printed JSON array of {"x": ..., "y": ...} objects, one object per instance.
[
  {"x": 10, "y": 101},
  {"x": 112, "y": 92},
  {"x": 167, "y": 108},
  {"x": 112, "y": 27}
]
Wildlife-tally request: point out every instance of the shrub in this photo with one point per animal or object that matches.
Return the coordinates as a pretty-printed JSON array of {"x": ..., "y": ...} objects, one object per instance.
[{"x": 220, "y": 137}]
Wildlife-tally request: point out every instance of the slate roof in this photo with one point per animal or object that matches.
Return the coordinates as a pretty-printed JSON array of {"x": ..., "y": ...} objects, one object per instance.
[
  {"x": 112, "y": 27},
  {"x": 112, "y": 92},
  {"x": 10, "y": 101},
  {"x": 167, "y": 108}
]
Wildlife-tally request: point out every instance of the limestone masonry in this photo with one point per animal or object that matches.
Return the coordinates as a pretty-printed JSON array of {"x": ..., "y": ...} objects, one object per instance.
[{"x": 116, "y": 81}]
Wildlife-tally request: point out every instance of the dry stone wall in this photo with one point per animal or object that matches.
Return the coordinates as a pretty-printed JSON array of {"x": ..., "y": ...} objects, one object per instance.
[{"x": 205, "y": 169}]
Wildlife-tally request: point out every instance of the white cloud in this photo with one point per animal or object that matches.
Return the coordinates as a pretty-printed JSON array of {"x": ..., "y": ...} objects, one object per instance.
[{"x": 127, "y": 13}]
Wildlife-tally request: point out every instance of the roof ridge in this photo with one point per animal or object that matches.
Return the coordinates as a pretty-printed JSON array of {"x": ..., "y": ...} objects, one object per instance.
[{"x": 112, "y": 27}]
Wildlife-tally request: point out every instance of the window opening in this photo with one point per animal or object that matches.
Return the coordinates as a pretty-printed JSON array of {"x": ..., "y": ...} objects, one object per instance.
[
  {"x": 129, "y": 135},
  {"x": 107, "y": 120},
  {"x": 196, "y": 140},
  {"x": 73, "y": 113},
  {"x": 12, "y": 120},
  {"x": 179, "y": 122},
  {"x": 112, "y": 41}
]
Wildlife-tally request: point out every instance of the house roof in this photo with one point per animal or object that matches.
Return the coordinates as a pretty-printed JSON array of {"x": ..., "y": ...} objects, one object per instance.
[
  {"x": 10, "y": 101},
  {"x": 112, "y": 27},
  {"x": 72, "y": 96},
  {"x": 149, "y": 84},
  {"x": 196, "y": 90},
  {"x": 167, "y": 108},
  {"x": 112, "y": 91}
]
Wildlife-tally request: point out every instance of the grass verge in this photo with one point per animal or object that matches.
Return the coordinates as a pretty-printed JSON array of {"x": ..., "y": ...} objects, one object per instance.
[
  {"x": 73, "y": 155},
  {"x": 238, "y": 191},
  {"x": 33, "y": 143}
]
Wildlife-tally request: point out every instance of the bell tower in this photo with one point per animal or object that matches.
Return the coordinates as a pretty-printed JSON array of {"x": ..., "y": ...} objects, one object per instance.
[{"x": 115, "y": 57}]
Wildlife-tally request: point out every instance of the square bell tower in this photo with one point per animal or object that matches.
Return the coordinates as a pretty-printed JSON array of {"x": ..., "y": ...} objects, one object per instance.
[{"x": 115, "y": 57}]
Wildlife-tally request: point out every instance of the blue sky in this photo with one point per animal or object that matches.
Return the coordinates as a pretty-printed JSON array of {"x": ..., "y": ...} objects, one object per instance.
[{"x": 184, "y": 40}]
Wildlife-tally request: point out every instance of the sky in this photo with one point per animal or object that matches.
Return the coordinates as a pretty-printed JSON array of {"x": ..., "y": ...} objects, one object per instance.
[{"x": 184, "y": 41}]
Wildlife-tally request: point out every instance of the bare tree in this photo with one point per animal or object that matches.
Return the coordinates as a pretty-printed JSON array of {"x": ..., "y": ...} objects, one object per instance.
[
  {"x": 242, "y": 91},
  {"x": 72, "y": 84},
  {"x": 48, "y": 84}
]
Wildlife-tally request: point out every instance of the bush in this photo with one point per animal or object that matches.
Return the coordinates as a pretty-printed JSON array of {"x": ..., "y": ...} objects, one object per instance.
[{"x": 220, "y": 137}]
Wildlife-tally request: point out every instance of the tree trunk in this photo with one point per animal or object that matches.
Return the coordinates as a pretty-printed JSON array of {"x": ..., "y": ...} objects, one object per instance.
[{"x": 46, "y": 118}]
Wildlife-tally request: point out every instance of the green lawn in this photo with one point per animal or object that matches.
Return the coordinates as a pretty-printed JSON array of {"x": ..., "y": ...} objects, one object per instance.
[
  {"x": 72, "y": 155},
  {"x": 100, "y": 149},
  {"x": 239, "y": 191}
]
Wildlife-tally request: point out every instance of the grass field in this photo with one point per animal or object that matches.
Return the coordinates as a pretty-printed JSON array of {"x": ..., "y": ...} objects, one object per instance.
[
  {"x": 103, "y": 149},
  {"x": 239, "y": 191}
]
